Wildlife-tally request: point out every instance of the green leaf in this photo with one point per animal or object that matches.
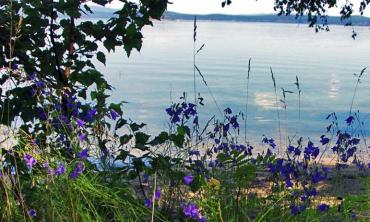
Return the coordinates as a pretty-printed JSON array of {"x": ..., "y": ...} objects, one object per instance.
[
  {"x": 160, "y": 139},
  {"x": 125, "y": 139},
  {"x": 178, "y": 140},
  {"x": 135, "y": 127},
  {"x": 131, "y": 30},
  {"x": 122, "y": 155},
  {"x": 141, "y": 138},
  {"x": 157, "y": 8},
  {"x": 87, "y": 8},
  {"x": 101, "y": 57},
  {"x": 182, "y": 130},
  {"x": 116, "y": 107},
  {"x": 197, "y": 183},
  {"x": 138, "y": 164},
  {"x": 162, "y": 163},
  {"x": 121, "y": 122}
]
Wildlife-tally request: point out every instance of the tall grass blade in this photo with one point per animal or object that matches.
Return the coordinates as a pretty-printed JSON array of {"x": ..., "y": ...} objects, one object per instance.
[
  {"x": 247, "y": 101},
  {"x": 277, "y": 108}
]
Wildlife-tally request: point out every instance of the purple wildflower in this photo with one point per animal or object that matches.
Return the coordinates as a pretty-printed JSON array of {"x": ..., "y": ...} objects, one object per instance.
[
  {"x": 228, "y": 111},
  {"x": 34, "y": 142},
  {"x": 324, "y": 140},
  {"x": 304, "y": 197},
  {"x": 294, "y": 210},
  {"x": 15, "y": 66},
  {"x": 302, "y": 208},
  {"x": 354, "y": 141},
  {"x": 311, "y": 192},
  {"x": 40, "y": 84},
  {"x": 82, "y": 137},
  {"x": 30, "y": 161},
  {"x": 157, "y": 194},
  {"x": 288, "y": 183},
  {"x": 194, "y": 152},
  {"x": 46, "y": 164},
  {"x": 77, "y": 171},
  {"x": 190, "y": 111},
  {"x": 114, "y": 114},
  {"x": 32, "y": 213},
  {"x": 61, "y": 169},
  {"x": 80, "y": 122},
  {"x": 31, "y": 76},
  {"x": 311, "y": 151},
  {"x": 148, "y": 203},
  {"x": 290, "y": 149},
  {"x": 349, "y": 120},
  {"x": 188, "y": 179},
  {"x": 191, "y": 211},
  {"x": 82, "y": 154},
  {"x": 323, "y": 207},
  {"x": 297, "y": 152},
  {"x": 89, "y": 117},
  {"x": 234, "y": 122},
  {"x": 202, "y": 219}
]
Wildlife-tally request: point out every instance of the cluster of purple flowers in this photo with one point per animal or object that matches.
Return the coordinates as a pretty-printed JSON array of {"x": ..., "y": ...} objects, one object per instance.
[
  {"x": 316, "y": 175},
  {"x": 222, "y": 129},
  {"x": 294, "y": 209},
  {"x": 194, "y": 153},
  {"x": 270, "y": 142},
  {"x": 58, "y": 171},
  {"x": 309, "y": 193},
  {"x": 61, "y": 169},
  {"x": 184, "y": 111},
  {"x": 191, "y": 211},
  {"x": 311, "y": 151},
  {"x": 305, "y": 176},
  {"x": 345, "y": 146},
  {"x": 77, "y": 171},
  {"x": 226, "y": 148},
  {"x": 296, "y": 151},
  {"x": 215, "y": 163},
  {"x": 157, "y": 195},
  {"x": 286, "y": 169}
]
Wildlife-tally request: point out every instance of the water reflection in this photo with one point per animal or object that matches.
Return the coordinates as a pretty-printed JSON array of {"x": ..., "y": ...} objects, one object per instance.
[
  {"x": 266, "y": 100},
  {"x": 262, "y": 119},
  {"x": 334, "y": 86}
]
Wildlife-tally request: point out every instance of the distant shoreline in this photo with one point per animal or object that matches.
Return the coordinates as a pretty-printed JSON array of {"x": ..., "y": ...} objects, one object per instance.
[
  {"x": 268, "y": 18},
  {"x": 304, "y": 24},
  {"x": 356, "y": 20}
]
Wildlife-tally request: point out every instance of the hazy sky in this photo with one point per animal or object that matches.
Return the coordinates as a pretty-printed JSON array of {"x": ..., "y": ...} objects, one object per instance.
[{"x": 237, "y": 7}]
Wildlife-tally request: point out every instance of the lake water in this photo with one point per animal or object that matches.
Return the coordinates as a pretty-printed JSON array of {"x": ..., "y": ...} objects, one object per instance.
[{"x": 324, "y": 63}]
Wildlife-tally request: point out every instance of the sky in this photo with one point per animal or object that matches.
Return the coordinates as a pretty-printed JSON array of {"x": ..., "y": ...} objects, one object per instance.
[{"x": 243, "y": 7}]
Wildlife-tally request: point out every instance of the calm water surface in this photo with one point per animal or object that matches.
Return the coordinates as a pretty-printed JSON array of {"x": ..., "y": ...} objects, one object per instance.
[{"x": 324, "y": 63}]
